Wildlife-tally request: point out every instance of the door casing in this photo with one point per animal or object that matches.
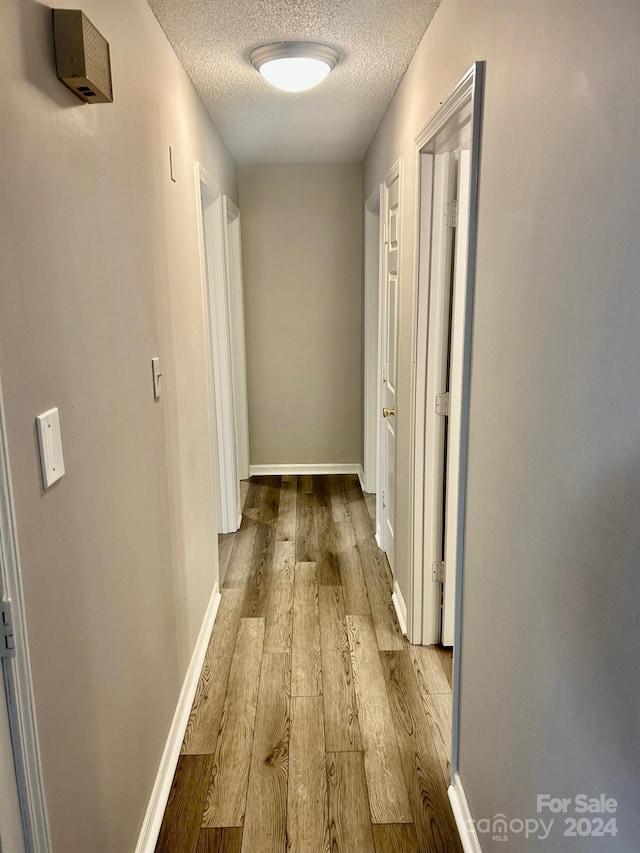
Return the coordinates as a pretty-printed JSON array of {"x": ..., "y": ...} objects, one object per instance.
[
  {"x": 235, "y": 301},
  {"x": 458, "y": 119},
  {"x": 209, "y": 214},
  {"x": 372, "y": 270}
]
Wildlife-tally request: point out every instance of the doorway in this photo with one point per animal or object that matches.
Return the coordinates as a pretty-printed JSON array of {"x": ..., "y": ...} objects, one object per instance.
[
  {"x": 372, "y": 265},
  {"x": 218, "y": 333},
  {"x": 390, "y": 206},
  {"x": 447, "y": 157}
]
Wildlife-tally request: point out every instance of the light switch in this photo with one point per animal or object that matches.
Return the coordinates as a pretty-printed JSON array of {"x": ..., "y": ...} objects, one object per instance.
[
  {"x": 157, "y": 378},
  {"x": 50, "y": 441}
]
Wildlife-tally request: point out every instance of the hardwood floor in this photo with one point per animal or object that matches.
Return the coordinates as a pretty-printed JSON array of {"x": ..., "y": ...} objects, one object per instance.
[{"x": 316, "y": 727}]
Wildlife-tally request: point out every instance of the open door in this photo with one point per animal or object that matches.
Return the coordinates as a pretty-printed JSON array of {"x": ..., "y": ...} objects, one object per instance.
[
  {"x": 443, "y": 167},
  {"x": 445, "y": 360},
  {"x": 452, "y": 517}
]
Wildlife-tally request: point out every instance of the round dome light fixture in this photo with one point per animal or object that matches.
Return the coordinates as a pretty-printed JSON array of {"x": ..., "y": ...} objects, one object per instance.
[{"x": 294, "y": 66}]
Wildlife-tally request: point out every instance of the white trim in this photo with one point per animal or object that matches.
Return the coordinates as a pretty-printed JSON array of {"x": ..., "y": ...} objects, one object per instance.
[
  {"x": 379, "y": 461},
  {"x": 462, "y": 94},
  {"x": 373, "y": 246},
  {"x": 400, "y": 606},
  {"x": 477, "y": 71},
  {"x": 361, "y": 478},
  {"x": 162, "y": 786},
  {"x": 462, "y": 816},
  {"x": 231, "y": 222},
  {"x": 325, "y": 468},
  {"x": 17, "y": 671},
  {"x": 209, "y": 212}
]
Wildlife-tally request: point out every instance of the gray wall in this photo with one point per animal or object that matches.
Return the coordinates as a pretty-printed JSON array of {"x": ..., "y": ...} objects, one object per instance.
[
  {"x": 550, "y": 698},
  {"x": 100, "y": 271},
  {"x": 301, "y": 232}
]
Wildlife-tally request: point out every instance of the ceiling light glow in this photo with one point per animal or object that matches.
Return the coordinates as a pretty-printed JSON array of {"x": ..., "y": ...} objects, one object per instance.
[
  {"x": 294, "y": 66},
  {"x": 295, "y": 74}
]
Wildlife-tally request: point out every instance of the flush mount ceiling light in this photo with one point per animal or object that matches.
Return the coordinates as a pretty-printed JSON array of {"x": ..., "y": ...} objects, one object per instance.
[{"x": 294, "y": 66}]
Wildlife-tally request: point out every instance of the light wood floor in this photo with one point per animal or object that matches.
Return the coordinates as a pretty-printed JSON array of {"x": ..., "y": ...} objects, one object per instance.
[{"x": 315, "y": 726}]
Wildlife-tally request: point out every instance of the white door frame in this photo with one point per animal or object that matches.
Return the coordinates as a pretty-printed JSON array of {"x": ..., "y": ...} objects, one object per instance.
[
  {"x": 17, "y": 671},
  {"x": 209, "y": 213},
  {"x": 394, "y": 173},
  {"x": 461, "y": 109},
  {"x": 235, "y": 296},
  {"x": 372, "y": 268},
  {"x": 11, "y": 830}
]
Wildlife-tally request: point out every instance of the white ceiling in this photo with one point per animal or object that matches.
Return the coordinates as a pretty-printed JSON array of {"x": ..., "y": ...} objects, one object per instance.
[{"x": 334, "y": 122}]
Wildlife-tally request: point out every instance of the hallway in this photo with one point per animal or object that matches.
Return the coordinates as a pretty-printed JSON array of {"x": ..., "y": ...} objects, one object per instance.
[{"x": 315, "y": 725}]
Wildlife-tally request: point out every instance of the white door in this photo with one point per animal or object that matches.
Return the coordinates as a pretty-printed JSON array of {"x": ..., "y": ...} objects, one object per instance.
[
  {"x": 437, "y": 363},
  {"x": 444, "y": 370},
  {"x": 11, "y": 836},
  {"x": 453, "y": 511},
  {"x": 388, "y": 342}
]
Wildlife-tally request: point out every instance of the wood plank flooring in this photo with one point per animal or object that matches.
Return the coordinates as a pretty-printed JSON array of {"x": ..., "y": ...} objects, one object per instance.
[{"x": 316, "y": 727}]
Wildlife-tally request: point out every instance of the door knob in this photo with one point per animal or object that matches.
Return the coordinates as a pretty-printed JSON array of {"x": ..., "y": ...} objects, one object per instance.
[{"x": 387, "y": 412}]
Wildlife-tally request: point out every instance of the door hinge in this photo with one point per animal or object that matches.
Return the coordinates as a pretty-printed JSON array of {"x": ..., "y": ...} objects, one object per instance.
[
  {"x": 438, "y": 572},
  {"x": 442, "y": 404},
  {"x": 385, "y": 233},
  {"x": 7, "y": 640},
  {"x": 451, "y": 213},
  {"x": 384, "y": 498}
]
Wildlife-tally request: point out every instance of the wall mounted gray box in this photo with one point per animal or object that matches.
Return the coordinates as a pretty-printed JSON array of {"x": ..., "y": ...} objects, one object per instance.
[{"x": 82, "y": 56}]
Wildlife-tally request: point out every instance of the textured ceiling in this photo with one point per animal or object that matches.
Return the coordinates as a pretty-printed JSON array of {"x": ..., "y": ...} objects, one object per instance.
[{"x": 334, "y": 122}]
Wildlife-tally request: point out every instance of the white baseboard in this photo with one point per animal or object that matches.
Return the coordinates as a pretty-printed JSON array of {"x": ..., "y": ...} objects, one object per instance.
[
  {"x": 324, "y": 468},
  {"x": 400, "y": 606},
  {"x": 379, "y": 539},
  {"x": 462, "y": 815},
  {"x": 367, "y": 479},
  {"x": 160, "y": 792}
]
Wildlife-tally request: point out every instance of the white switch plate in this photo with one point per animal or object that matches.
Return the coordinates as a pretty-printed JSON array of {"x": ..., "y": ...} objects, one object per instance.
[{"x": 50, "y": 440}]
